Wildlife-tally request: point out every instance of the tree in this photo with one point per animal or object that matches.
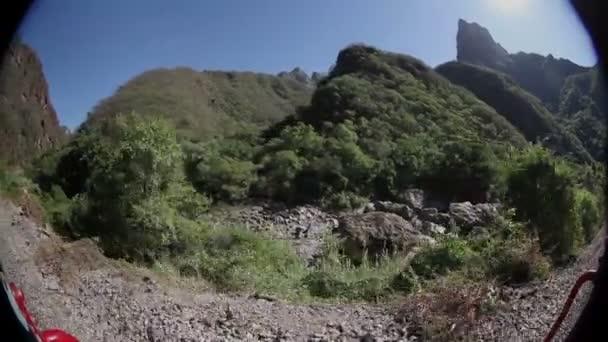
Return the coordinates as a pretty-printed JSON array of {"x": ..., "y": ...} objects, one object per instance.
[{"x": 136, "y": 191}]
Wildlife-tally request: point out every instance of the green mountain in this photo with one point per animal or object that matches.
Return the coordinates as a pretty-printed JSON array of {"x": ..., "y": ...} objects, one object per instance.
[
  {"x": 543, "y": 76},
  {"x": 28, "y": 121},
  {"x": 208, "y": 103},
  {"x": 572, "y": 93},
  {"x": 379, "y": 123},
  {"x": 403, "y": 96},
  {"x": 520, "y": 108},
  {"x": 583, "y": 109}
]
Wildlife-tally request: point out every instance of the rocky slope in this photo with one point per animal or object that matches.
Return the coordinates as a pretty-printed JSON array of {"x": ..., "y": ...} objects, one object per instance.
[{"x": 28, "y": 121}]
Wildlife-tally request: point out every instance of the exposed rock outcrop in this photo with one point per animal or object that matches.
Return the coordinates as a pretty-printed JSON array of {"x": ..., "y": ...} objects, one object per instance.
[
  {"x": 28, "y": 121},
  {"x": 377, "y": 233}
]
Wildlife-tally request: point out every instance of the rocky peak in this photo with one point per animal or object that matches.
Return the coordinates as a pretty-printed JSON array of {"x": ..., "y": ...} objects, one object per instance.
[
  {"x": 29, "y": 121},
  {"x": 296, "y": 74},
  {"x": 543, "y": 76},
  {"x": 475, "y": 44}
]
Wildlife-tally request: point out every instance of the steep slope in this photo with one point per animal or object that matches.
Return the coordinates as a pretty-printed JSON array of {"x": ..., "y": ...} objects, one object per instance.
[
  {"x": 382, "y": 122},
  {"x": 543, "y": 76},
  {"x": 583, "y": 109},
  {"x": 519, "y": 107},
  {"x": 208, "y": 103},
  {"x": 406, "y": 97},
  {"x": 28, "y": 121}
]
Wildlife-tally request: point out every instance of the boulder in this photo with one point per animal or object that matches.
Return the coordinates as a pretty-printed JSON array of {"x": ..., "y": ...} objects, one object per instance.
[
  {"x": 377, "y": 233},
  {"x": 434, "y": 216},
  {"x": 467, "y": 215},
  {"x": 413, "y": 197},
  {"x": 431, "y": 228},
  {"x": 400, "y": 209},
  {"x": 418, "y": 199}
]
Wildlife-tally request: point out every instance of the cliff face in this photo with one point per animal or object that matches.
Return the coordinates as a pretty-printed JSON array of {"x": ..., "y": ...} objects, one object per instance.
[{"x": 28, "y": 121}]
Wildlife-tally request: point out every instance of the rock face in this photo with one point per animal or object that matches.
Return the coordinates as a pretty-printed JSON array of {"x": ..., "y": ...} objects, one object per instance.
[
  {"x": 28, "y": 121},
  {"x": 475, "y": 45},
  {"x": 305, "y": 226},
  {"x": 467, "y": 215},
  {"x": 301, "y": 76},
  {"x": 377, "y": 233},
  {"x": 543, "y": 76}
]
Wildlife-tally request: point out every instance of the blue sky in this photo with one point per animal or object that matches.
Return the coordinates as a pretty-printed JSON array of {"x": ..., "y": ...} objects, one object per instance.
[{"x": 89, "y": 48}]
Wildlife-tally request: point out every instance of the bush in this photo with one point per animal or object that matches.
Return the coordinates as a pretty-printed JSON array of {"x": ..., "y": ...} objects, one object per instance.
[
  {"x": 335, "y": 277},
  {"x": 588, "y": 213},
  {"x": 541, "y": 188},
  {"x": 517, "y": 261},
  {"x": 236, "y": 259},
  {"x": 451, "y": 254},
  {"x": 135, "y": 192},
  {"x": 222, "y": 168},
  {"x": 343, "y": 200}
]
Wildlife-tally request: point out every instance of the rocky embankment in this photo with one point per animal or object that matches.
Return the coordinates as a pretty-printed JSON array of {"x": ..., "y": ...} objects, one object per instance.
[
  {"x": 72, "y": 286},
  {"x": 378, "y": 226}
]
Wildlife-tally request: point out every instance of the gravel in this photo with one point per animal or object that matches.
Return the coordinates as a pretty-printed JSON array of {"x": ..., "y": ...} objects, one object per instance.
[
  {"x": 102, "y": 300},
  {"x": 71, "y": 286}
]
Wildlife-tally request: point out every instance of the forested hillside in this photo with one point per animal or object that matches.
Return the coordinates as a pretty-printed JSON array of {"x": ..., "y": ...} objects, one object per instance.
[
  {"x": 520, "y": 108},
  {"x": 572, "y": 93},
  {"x": 208, "y": 103}
]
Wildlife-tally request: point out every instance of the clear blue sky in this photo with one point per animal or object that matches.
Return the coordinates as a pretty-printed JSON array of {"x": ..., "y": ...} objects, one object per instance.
[{"x": 89, "y": 48}]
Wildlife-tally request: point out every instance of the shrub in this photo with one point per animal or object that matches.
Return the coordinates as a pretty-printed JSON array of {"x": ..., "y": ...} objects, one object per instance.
[
  {"x": 236, "y": 259},
  {"x": 336, "y": 277},
  {"x": 518, "y": 261},
  {"x": 451, "y": 254},
  {"x": 588, "y": 213},
  {"x": 343, "y": 200},
  {"x": 541, "y": 188},
  {"x": 222, "y": 168},
  {"x": 135, "y": 193}
]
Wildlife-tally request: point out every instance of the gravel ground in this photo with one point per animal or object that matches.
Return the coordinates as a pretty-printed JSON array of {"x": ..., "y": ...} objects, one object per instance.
[{"x": 73, "y": 287}]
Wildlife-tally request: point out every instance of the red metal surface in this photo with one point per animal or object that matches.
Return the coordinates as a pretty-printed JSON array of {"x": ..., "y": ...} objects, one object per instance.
[
  {"x": 50, "y": 335},
  {"x": 583, "y": 278}
]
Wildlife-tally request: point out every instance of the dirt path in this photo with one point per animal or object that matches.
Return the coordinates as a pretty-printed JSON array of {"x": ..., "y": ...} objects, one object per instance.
[{"x": 73, "y": 287}]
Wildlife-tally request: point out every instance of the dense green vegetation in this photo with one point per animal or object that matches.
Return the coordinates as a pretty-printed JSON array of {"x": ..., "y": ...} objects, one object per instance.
[
  {"x": 207, "y": 104},
  {"x": 381, "y": 123},
  {"x": 378, "y": 124},
  {"x": 522, "y": 109},
  {"x": 583, "y": 109}
]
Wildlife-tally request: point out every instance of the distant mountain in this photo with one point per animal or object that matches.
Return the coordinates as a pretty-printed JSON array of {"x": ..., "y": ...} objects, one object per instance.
[
  {"x": 583, "y": 108},
  {"x": 543, "y": 76},
  {"x": 301, "y": 76},
  {"x": 574, "y": 94},
  {"x": 203, "y": 104},
  {"x": 28, "y": 121},
  {"x": 519, "y": 107}
]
